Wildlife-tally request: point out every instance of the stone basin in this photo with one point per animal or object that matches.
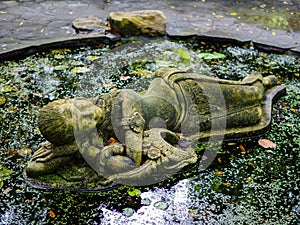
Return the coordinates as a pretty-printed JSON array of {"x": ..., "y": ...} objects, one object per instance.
[{"x": 250, "y": 184}]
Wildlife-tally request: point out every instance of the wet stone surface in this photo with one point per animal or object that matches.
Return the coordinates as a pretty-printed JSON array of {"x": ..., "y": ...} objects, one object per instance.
[
  {"x": 89, "y": 23},
  {"x": 224, "y": 19}
]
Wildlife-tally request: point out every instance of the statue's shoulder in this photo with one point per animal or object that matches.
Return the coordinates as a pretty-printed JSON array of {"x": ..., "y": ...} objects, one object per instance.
[{"x": 166, "y": 73}]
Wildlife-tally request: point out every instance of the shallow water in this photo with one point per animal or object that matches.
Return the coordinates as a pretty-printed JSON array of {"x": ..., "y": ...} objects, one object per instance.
[{"x": 246, "y": 184}]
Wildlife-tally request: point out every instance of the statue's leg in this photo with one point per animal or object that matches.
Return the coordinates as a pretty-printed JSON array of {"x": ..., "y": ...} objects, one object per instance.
[{"x": 251, "y": 97}]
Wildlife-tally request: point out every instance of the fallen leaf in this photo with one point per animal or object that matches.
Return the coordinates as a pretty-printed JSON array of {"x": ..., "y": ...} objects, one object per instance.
[
  {"x": 52, "y": 214},
  {"x": 218, "y": 16},
  {"x": 2, "y": 100},
  {"x": 124, "y": 77},
  {"x": 60, "y": 51},
  {"x": 243, "y": 150},
  {"x": 227, "y": 184},
  {"x": 59, "y": 56},
  {"x": 112, "y": 140},
  {"x": 183, "y": 54},
  {"x": 128, "y": 212},
  {"x": 263, "y": 6},
  {"x": 233, "y": 14},
  {"x": 92, "y": 57},
  {"x": 293, "y": 110},
  {"x": 135, "y": 193},
  {"x": 80, "y": 70},
  {"x": 6, "y": 191},
  {"x": 211, "y": 56},
  {"x": 265, "y": 143},
  {"x": 161, "y": 205},
  {"x": 6, "y": 89},
  {"x": 219, "y": 172},
  {"x": 24, "y": 151},
  {"x": 60, "y": 67},
  {"x": 250, "y": 164},
  {"x": 192, "y": 214}
]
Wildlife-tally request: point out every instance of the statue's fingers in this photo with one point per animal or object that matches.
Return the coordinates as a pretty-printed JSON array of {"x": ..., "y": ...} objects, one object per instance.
[
  {"x": 114, "y": 149},
  {"x": 45, "y": 159},
  {"x": 40, "y": 154}
]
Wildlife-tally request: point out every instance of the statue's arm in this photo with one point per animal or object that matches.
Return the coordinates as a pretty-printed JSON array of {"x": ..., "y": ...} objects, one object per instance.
[
  {"x": 128, "y": 123},
  {"x": 103, "y": 159}
]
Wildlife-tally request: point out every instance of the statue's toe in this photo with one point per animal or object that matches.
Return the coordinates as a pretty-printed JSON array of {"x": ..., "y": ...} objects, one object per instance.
[{"x": 270, "y": 81}]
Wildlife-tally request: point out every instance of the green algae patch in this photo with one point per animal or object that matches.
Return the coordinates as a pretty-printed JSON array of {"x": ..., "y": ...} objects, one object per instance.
[
  {"x": 4, "y": 175},
  {"x": 273, "y": 20}
]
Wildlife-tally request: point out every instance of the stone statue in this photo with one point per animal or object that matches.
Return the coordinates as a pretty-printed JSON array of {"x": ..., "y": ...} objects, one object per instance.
[{"x": 148, "y": 136}]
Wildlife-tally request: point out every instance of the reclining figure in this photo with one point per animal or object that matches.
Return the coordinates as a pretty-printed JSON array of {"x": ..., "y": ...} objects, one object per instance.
[{"x": 156, "y": 130}]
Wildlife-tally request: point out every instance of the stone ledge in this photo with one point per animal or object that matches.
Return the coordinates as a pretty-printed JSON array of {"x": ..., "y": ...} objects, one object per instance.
[
  {"x": 32, "y": 47},
  {"x": 66, "y": 42}
]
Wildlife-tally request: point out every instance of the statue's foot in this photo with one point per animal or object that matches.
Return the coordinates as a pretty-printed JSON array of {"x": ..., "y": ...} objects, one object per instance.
[{"x": 270, "y": 81}]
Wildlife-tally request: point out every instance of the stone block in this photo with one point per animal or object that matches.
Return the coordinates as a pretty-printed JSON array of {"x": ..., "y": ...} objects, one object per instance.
[{"x": 138, "y": 23}]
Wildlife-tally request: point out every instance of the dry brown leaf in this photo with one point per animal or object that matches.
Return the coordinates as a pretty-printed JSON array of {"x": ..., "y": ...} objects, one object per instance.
[
  {"x": 242, "y": 148},
  {"x": 265, "y": 143},
  {"x": 52, "y": 214},
  {"x": 219, "y": 172}
]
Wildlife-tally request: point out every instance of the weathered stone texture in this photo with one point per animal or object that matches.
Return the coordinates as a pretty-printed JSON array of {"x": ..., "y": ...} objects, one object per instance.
[
  {"x": 138, "y": 23},
  {"x": 88, "y": 23}
]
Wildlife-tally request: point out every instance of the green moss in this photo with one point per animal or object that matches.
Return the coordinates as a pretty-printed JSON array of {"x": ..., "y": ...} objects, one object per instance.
[{"x": 272, "y": 20}]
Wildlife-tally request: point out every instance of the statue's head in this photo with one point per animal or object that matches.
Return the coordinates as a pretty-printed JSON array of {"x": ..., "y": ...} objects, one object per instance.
[{"x": 57, "y": 118}]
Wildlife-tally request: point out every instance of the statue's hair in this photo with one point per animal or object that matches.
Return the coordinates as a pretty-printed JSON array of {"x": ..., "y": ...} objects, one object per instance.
[{"x": 55, "y": 122}]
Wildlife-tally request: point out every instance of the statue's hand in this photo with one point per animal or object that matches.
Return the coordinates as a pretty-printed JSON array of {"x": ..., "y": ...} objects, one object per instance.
[
  {"x": 162, "y": 159},
  {"x": 49, "y": 157},
  {"x": 48, "y": 151},
  {"x": 44, "y": 152},
  {"x": 110, "y": 160}
]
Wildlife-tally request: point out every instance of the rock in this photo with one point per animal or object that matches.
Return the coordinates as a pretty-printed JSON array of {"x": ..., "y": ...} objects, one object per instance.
[
  {"x": 89, "y": 23},
  {"x": 138, "y": 23}
]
